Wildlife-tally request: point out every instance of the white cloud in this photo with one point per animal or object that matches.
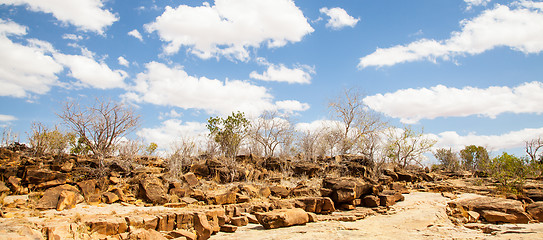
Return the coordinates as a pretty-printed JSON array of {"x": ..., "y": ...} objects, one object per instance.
[
  {"x": 230, "y": 27},
  {"x": 123, "y": 61},
  {"x": 318, "y": 125},
  {"x": 91, "y": 73},
  {"x": 25, "y": 69},
  {"x": 412, "y": 105},
  {"x": 171, "y": 114},
  {"x": 519, "y": 29},
  {"x": 290, "y": 106},
  {"x": 510, "y": 140},
  {"x": 163, "y": 85},
  {"x": 72, "y": 37},
  {"x": 473, "y": 3},
  {"x": 7, "y": 118},
  {"x": 87, "y": 15},
  {"x": 300, "y": 74},
  {"x": 135, "y": 33},
  {"x": 173, "y": 130},
  {"x": 339, "y": 18}
]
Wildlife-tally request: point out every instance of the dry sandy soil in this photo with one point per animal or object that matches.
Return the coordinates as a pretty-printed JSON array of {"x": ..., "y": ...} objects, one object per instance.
[{"x": 421, "y": 216}]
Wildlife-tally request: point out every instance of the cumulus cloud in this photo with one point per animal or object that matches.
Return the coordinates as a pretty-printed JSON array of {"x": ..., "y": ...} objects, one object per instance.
[
  {"x": 510, "y": 140},
  {"x": 87, "y": 15},
  {"x": 291, "y": 106},
  {"x": 227, "y": 28},
  {"x": 518, "y": 28},
  {"x": 123, "y": 61},
  {"x": 166, "y": 86},
  {"x": 135, "y": 33},
  {"x": 280, "y": 73},
  {"x": 172, "y": 131},
  {"x": 91, "y": 73},
  {"x": 412, "y": 105},
  {"x": 339, "y": 18},
  {"x": 25, "y": 69},
  {"x": 318, "y": 125}
]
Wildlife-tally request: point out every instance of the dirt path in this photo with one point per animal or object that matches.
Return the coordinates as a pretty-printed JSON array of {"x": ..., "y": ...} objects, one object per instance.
[{"x": 420, "y": 216}]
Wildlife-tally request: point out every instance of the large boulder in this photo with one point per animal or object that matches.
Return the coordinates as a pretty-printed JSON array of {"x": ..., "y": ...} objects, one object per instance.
[
  {"x": 494, "y": 209},
  {"x": 320, "y": 205},
  {"x": 50, "y": 199},
  {"x": 345, "y": 189},
  {"x": 283, "y": 218},
  {"x": 305, "y": 169},
  {"x": 388, "y": 198},
  {"x": 536, "y": 210},
  {"x": 153, "y": 190},
  {"x": 107, "y": 225},
  {"x": 37, "y": 176}
]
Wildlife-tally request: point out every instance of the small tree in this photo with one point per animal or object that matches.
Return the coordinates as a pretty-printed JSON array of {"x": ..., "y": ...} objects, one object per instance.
[
  {"x": 180, "y": 158},
  {"x": 101, "y": 125},
  {"x": 532, "y": 148},
  {"x": 356, "y": 119},
  {"x": 229, "y": 132},
  {"x": 408, "y": 146},
  {"x": 45, "y": 140},
  {"x": 150, "y": 150},
  {"x": 447, "y": 158},
  {"x": 308, "y": 144},
  {"x": 474, "y": 157},
  {"x": 271, "y": 131},
  {"x": 509, "y": 171}
]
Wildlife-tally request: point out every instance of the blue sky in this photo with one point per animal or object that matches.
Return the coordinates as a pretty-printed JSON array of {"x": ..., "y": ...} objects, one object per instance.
[{"x": 468, "y": 71}]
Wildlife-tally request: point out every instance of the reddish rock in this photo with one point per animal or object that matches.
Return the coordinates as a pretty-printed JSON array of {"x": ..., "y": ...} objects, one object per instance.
[
  {"x": 180, "y": 233},
  {"x": 51, "y": 196},
  {"x": 202, "y": 226},
  {"x": 279, "y": 191},
  {"x": 239, "y": 221},
  {"x": 283, "y": 218},
  {"x": 66, "y": 200},
  {"x": 152, "y": 190},
  {"x": 88, "y": 187},
  {"x": 536, "y": 210},
  {"x": 494, "y": 209},
  {"x": 371, "y": 201},
  {"x": 109, "y": 197},
  {"x": 229, "y": 228},
  {"x": 190, "y": 179},
  {"x": 107, "y": 226}
]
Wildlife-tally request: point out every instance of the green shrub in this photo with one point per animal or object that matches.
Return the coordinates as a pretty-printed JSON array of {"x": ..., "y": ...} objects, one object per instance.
[{"x": 509, "y": 171}]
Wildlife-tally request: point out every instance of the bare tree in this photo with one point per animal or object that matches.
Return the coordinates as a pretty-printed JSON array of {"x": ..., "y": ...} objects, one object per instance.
[
  {"x": 101, "y": 125},
  {"x": 357, "y": 120},
  {"x": 331, "y": 137},
  {"x": 271, "y": 132},
  {"x": 407, "y": 146},
  {"x": 532, "y": 148},
  {"x": 308, "y": 143}
]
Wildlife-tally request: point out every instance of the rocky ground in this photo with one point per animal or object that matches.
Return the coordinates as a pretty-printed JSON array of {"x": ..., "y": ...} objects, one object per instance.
[{"x": 73, "y": 197}]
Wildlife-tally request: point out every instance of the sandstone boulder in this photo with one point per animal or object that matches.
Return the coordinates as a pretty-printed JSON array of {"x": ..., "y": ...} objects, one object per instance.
[
  {"x": 494, "y": 209},
  {"x": 107, "y": 225},
  {"x": 345, "y": 189},
  {"x": 50, "y": 198},
  {"x": 283, "y": 218},
  {"x": 536, "y": 210},
  {"x": 202, "y": 226},
  {"x": 152, "y": 190}
]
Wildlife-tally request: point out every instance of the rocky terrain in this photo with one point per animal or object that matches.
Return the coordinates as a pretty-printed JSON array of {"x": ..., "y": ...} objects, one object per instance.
[{"x": 75, "y": 197}]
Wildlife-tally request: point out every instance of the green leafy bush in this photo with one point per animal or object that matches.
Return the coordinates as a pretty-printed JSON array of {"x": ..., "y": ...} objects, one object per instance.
[{"x": 509, "y": 171}]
